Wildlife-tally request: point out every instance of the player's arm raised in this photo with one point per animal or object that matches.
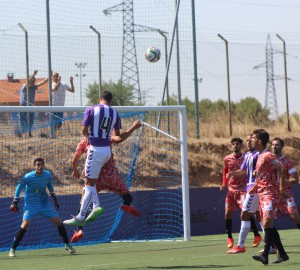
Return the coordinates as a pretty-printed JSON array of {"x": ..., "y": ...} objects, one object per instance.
[{"x": 118, "y": 138}]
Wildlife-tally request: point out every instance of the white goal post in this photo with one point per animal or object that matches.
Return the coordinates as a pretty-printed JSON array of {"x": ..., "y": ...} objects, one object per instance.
[{"x": 181, "y": 138}]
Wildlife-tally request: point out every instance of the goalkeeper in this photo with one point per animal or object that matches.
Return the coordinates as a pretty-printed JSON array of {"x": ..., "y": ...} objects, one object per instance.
[
  {"x": 109, "y": 178},
  {"x": 36, "y": 203}
]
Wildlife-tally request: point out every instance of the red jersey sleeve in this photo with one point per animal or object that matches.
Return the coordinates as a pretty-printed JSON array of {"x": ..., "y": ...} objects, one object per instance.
[
  {"x": 225, "y": 171},
  {"x": 82, "y": 147}
]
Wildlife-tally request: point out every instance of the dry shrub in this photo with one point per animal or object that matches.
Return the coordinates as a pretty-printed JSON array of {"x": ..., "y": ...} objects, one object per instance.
[{"x": 205, "y": 155}]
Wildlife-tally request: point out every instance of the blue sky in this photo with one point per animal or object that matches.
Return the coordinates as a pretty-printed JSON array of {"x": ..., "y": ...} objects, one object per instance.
[{"x": 244, "y": 23}]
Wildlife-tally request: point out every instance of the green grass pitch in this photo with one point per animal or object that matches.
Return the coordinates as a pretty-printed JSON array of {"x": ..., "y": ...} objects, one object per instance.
[{"x": 202, "y": 252}]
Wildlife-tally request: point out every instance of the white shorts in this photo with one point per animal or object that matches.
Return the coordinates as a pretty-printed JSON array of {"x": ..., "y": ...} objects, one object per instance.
[
  {"x": 251, "y": 203},
  {"x": 96, "y": 158}
]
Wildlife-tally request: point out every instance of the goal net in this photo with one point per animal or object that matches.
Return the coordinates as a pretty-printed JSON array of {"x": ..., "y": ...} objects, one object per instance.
[{"x": 152, "y": 162}]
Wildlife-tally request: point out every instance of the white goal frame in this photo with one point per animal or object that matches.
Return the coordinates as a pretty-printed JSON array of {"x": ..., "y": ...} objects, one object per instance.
[{"x": 182, "y": 140}]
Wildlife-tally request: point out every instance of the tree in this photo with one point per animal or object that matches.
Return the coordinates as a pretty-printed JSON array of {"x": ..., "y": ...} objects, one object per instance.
[
  {"x": 190, "y": 105},
  {"x": 251, "y": 109},
  {"x": 123, "y": 94}
]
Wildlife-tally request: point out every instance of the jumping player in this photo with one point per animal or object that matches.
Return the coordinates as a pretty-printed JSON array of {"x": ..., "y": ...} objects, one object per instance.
[
  {"x": 98, "y": 123},
  {"x": 109, "y": 178}
]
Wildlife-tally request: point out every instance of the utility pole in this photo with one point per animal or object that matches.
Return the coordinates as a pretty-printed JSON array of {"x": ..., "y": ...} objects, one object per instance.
[
  {"x": 179, "y": 101},
  {"x": 195, "y": 72},
  {"x": 228, "y": 83},
  {"x": 52, "y": 133},
  {"x": 286, "y": 84},
  {"x": 143, "y": 28},
  {"x": 27, "y": 62},
  {"x": 99, "y": 60},
  {"x": 129, "y": 72},
  {"x": 80, "y": 75}
]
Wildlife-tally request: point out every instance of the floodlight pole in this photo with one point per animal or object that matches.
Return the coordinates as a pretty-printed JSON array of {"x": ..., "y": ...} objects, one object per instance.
[
  {"x": 169, "y": 60},
  {"x": 228, "y": 83},
  {"x": 179, "y": 101},
  {"x": 27, "y": 68},
  {"x": 52, "y": 134},
  {"x": 286, "y": 83},
  {"x": 143, "y": 28},
  {"x": 27, "y": 61},
  {"x": 80, "y": 66},
  {"x": 99, "y": 60},
  {"x": 166, "y": 61},
  {"x": 195, "y": 72}
]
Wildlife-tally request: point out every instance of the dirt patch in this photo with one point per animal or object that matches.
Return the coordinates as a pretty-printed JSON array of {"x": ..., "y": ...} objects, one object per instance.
[{"x": 206, "y": 159}]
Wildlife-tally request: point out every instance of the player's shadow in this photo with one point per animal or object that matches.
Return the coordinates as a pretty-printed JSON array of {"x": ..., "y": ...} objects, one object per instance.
[
  {"x": 209, "y": 266},
  {"x": 50, "y": 255}
]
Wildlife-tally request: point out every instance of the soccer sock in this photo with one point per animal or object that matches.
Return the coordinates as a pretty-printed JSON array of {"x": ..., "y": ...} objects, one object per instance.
[
  {"x": 18, "y": 238},
  {"x": 228, "y": 226},
  {"x": 63, "y": 233},
  {"x": 87, "y": 198},
  {"x": 245, "y": 228},
  {"x": 262, "y": 227},
  {"x": 81, "y": 227},
  {"x": 253, "y": 226},
  {"x": 298, "y": 225},
  {"x": 268, "y": 241},
  {"x": 95, "y": 198},
  {"x": 127, "y": 199},
  {"x": 278, "y": 242}
]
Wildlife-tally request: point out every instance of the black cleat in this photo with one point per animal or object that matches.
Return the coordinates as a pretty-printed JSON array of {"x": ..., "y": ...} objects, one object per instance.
[
  {"x": 261, "y": 258},
  {"x": 281, "y": 258}
]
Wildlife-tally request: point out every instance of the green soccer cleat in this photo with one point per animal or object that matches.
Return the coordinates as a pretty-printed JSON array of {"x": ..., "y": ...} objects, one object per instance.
[
  {"x": 74, "y": 222},
  {"x": 96, "y": 212}
]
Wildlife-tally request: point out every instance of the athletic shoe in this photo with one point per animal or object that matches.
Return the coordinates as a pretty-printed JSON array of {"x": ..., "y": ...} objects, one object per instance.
[
  {"x": 230, "y": 242},
  {"x": 256, "y": 241},
  {"x": 76, "y": 236},
  {"x": 12, "y": 253},
  {"x": 237, "y": 249},
  {"x": 69, "y": 248},
  {"x": 281, "y": 258},
  {"x": 261, "y": 258},
  {"x": 74, "y": 222},
  {"x": 96, "y": 212},
  {"x": 130, "y": 209},
  {"x": 272, "y": 250}
]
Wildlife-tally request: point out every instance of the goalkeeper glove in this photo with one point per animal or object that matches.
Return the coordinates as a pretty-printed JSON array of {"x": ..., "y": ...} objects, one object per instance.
[
  {"x": 14, "y": 205},
  {"x": 55, "y": 201}
]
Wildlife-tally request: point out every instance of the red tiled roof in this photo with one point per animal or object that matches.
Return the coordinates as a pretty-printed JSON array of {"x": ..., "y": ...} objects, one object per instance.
[{"x": 10, "y": 93}]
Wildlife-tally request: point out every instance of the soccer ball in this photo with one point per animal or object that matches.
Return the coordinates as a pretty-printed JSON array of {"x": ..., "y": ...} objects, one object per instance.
[{"x": 152, "y": 54}]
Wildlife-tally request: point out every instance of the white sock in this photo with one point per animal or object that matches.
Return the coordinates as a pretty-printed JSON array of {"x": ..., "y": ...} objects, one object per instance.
[
  {"x": 262, "y": 227},
  {"x": 95, "y": 198},
  {"x": 245, "y": 229},
  {"x": 86, "y": 201}
]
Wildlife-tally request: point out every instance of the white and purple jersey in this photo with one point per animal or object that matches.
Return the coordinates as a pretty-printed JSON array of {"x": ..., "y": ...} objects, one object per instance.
[
  {"x": 249, "y": 166},
  {"x": 102, "y": 120}
]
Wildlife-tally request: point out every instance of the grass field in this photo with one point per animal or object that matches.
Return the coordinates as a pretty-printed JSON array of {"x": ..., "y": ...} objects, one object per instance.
[{"x": 202, "y": 252}]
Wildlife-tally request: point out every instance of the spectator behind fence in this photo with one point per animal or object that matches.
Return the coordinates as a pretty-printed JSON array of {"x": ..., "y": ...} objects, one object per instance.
[
  {"x": 27, "y": 119},
  {"x": 58, "y": 96}
]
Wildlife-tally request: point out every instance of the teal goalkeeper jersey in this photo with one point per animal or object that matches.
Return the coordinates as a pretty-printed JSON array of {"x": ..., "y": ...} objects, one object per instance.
[{"x": 35, "y": 194}]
